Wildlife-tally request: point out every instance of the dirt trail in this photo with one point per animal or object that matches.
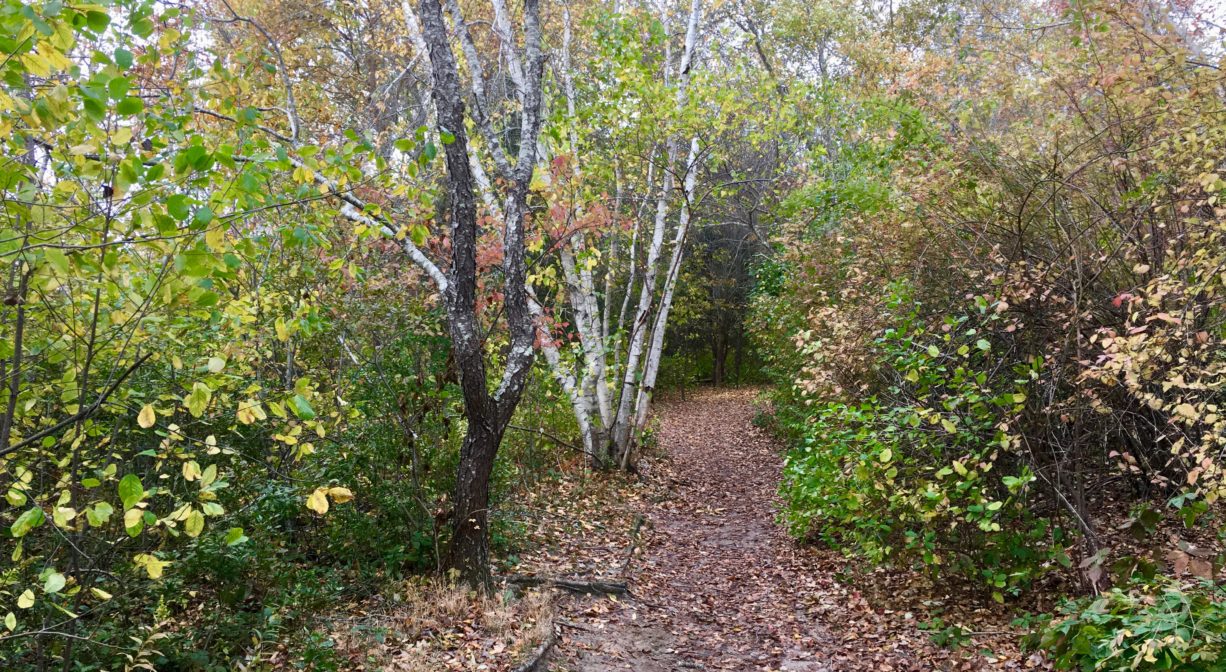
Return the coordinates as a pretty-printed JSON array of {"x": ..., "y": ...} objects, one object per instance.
[{"x": 720, "y": 587}]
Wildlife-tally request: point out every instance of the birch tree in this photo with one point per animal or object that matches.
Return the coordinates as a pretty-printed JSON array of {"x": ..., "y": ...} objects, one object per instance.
[
  {"x": 624, "y": 422},
  {"x": 608, "y": 421}
]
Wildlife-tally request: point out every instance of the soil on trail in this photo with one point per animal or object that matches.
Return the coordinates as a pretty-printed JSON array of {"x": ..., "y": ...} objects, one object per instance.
[{"x": 719, "y": 586}]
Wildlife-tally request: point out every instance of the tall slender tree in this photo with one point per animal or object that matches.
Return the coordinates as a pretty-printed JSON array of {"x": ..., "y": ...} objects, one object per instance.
[{"x": 488, "y": 413}]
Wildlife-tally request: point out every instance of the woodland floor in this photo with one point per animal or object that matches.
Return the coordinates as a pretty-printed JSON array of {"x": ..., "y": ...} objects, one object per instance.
[
  {"x": 717, "y": 585},
  {"x": 714, "y": 581}
]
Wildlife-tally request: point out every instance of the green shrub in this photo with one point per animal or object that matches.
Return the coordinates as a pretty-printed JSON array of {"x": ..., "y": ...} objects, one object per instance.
[
  {"x": 1161, "y": 625},
  {"x": 922, "y": 470}
]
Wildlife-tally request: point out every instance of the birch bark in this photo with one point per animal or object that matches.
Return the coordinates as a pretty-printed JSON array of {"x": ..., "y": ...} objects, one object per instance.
[
  {"x": 658, "y": 329},
  {"x": 625, "y": 425}
]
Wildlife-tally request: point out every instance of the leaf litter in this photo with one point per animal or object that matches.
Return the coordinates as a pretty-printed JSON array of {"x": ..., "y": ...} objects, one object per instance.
[{"x": 717, "y": 584}]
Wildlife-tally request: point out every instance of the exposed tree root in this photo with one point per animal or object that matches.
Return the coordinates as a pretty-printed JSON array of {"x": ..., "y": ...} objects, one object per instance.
[
  {"x": 571, "y": 585},
  {"x": 533, "y": 662}
]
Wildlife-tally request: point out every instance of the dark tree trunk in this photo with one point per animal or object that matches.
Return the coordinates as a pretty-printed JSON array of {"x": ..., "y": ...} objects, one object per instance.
[
  {"x": 469, "y": 553},
  {"x": 739, "y": 354},
  {"x": 488, "y": 412},
  {"x": 719, "y": 353}
]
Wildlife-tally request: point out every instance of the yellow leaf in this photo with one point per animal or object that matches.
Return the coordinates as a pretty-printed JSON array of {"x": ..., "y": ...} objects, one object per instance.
[
  {"x": 215, "y": 238},
  {"x": 340, "y": 495},
  {"x": 318, "y": 501},
  {"x": 132, "y": 518},
  {"x": 147, "y": 417},
  {"x": 1188, "y": 411},
  {"x": 36, "y": 64},
  {"x": 62, "y": 515},
  {"x": 153, "y": 566},
  {"x": 191, "y": 470},
  {"x": 249, "y": 411},
  {"x": 194, "y": 524}
]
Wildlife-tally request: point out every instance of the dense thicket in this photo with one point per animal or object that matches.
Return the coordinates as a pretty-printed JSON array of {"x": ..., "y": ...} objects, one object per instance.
[{"x": 1004, "y": 298}]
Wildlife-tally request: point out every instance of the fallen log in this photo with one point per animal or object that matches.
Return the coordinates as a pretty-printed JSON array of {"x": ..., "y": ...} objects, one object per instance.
[{"x": 570, "y": 585}]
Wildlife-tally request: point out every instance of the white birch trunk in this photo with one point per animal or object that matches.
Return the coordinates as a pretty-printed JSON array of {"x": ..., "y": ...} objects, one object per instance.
[
  {"x": 565, "y": 379},
  {"x": 624, "y": 422},
  {"x": 658, "y": 329}
]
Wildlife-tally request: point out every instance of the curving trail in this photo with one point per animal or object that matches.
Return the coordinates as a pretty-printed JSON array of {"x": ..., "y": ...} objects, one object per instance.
[{"x": 720, "y": 586}]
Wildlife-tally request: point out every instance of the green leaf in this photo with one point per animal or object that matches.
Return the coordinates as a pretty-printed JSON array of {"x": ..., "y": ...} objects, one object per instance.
[
  {"x": 99, "y": 514},
  {"x": 54, "y": 582},
  {"x": 418, "y": 234},
  {"x": 235, "y": 536},
  {"x": 194, "y": 524},
  {"x": 177, "y": 207},
  {"x": 983, "y": 345},
  {"x": 57, "y": 258},
  {"x": 97, "y": 21},
  {"x": 27, "y": 521},
  {"x": 204, "y": 215},
  {"x": 143, "y": 27},
  {"x": 118, "y": 87},
  {"x": 301, "y": 407},
  {"x": 199, "y": 398},
  {"x": 123, "y": 58},
  {"x": 130, "y": 106},
  {"x": 131, "y": 491}
]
